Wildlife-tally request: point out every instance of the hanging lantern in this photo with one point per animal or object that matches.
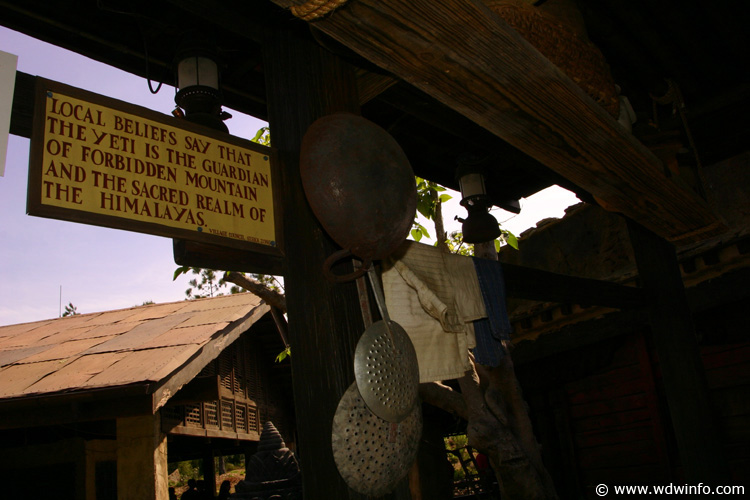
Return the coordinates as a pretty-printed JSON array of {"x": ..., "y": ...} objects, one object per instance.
[
  {"x": 198, "y": 83},
  {"x": 479, "y": 226}
]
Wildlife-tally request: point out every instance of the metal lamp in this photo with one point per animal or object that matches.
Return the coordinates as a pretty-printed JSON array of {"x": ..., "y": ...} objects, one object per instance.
[
  {"x": 479, "y": 226},
  {"x": 198, "y": 83}
]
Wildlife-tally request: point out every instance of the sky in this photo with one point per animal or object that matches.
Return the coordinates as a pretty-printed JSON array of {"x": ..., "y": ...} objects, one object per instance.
[{"x": 46, "y": 264}]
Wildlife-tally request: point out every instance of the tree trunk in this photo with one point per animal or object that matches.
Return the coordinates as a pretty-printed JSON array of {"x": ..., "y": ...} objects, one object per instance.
[
  {"x": 498, "y": 422},
  {"x": 505, "y": 400},
  {"x": 441, "y": 235}
]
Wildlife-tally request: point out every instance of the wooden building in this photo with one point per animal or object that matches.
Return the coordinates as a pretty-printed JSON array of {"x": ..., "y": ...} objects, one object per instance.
[
  {"x": 96, "y": 405},
  {"x": 591, "y": 374},
  {"x": 532, "y": 90}
]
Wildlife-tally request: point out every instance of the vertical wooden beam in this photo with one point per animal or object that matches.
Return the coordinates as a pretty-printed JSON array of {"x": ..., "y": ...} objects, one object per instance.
[
  {"x": 698, "y": 441},
  {"x": 569, "y": 477},
  {"x": 104, "y": 453},
  {"x": 652, "y": 402},
  {"x": 208, "y": 469},
  {"x": 304, "y": 82},
  {"x": 141, "y": 459}
]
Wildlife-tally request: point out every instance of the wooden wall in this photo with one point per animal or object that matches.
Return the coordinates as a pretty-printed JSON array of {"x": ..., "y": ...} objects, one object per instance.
[
  {"x": 728, "y": 373},
  {"x": 601, "y": 416},
  {"x": 615, "y": 421},
  {"x": 36, "y": 470},
  {"x": 249, "y": 397}
]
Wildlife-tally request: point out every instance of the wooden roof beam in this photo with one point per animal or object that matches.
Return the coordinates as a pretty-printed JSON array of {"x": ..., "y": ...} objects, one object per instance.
[
  {"x": 370, "y": 85},
  {"x": 535, "y": 284},
  {"x": 468, "y": 58}
]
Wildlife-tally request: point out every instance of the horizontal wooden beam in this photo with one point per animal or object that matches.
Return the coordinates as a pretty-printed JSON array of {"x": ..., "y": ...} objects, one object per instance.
[
  {"x": 702, "y": 298},
  {"x": 22, "y": 111},
  {"x": 210, "y": 433},
  {"x": 65, "y": 408},
  {"x": 577, "y": 336},
  {"x": 198, "y": 390},
  {"x": 534, "y": 284},
  {"x": 469, "y": 59},
  {"x": 221, "y": 258}
]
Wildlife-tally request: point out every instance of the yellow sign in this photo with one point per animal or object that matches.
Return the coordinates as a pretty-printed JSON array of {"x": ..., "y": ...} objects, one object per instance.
[{"x": 109, "y": 163}]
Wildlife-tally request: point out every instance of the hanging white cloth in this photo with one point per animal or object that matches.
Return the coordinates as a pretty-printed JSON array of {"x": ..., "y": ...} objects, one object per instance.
[{"x": 434, "y": 296}]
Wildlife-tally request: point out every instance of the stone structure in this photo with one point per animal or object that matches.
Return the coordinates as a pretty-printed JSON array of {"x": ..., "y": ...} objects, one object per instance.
[{"x": 272, "y": 472}]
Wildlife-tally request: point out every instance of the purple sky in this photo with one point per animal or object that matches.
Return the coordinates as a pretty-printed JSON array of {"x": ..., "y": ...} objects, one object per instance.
[{"x": 99, "y": 268}]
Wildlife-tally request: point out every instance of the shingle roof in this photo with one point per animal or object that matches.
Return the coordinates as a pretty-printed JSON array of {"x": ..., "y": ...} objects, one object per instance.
[{"x": 141, "y": 345}]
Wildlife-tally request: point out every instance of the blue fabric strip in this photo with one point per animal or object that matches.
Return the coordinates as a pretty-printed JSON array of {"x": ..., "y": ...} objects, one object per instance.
[{"x": 493, "y": 329}]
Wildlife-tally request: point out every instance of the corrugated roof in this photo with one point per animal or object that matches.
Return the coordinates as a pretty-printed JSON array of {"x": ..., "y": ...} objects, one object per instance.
[{"x": 140, "y": 345}]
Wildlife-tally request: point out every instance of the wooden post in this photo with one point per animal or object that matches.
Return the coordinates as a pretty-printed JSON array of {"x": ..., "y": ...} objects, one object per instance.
[
  {"x": 676, "y": 346},
  {"x": 305, "y": 82},
  {"x": 141, "y": 459},
  {"x": 652, "y": 402},
  {"x": 208, "y": 469}
]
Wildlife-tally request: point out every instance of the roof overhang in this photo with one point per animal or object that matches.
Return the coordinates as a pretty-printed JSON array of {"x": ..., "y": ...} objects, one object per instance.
[
  {"x": 450, "y": 76},
  {"x": 484, "y": 70},
  {"x": 126, "y": 400}
]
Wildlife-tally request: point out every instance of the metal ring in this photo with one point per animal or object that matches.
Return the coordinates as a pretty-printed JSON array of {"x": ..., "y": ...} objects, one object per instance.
[{"x": 343, "y": 278}]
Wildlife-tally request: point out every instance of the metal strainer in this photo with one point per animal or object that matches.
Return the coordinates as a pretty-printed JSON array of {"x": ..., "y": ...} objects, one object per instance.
[
  {"x": 372, "y": 454},
  {"x": 385, "y": 365}
]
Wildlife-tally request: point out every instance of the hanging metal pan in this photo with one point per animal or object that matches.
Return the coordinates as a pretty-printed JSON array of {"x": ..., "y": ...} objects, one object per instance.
[
  {"x": 385, "y": 365},
  {"x": 372, "y": 454},
  {"x": 360, "y": 186}
]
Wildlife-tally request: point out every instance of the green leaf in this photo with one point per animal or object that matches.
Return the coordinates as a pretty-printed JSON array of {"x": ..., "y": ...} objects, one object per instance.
[
  {"x": 179, "y": 271},
  {"x": 421, "y": 229},
  {"x": 284, "y": 354},
  {"x": 445, "y": 197},
  {"x": 497, "y": 245},
  {"x": 416, "y": 234},
  {"x": 259, "y": 134},
  {"x": 426, "y": 207},
  {"x": 511, "y": 239}
]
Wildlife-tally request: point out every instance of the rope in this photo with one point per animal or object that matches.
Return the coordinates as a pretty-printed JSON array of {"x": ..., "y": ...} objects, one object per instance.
[
  {"x": 315, "y": 9},
  {"x": 674, "y": 97},
  {"x": 571, "y": 52}
]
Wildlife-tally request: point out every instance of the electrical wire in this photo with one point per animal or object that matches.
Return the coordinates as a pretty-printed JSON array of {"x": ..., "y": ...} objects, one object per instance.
[{"x": 138, "y": 18}]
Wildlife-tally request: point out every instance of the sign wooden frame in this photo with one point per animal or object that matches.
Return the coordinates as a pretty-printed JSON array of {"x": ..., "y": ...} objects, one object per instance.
[{"x": 170, "y": 191}]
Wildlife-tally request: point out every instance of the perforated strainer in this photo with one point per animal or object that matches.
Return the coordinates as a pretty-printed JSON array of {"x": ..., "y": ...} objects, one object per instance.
[
  {"x": 372, "y": 454},
  {"x": 385, "y": 365}
]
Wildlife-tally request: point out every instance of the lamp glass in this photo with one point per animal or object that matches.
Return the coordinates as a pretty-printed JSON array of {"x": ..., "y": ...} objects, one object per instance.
[
  {"x": 197, "y": 70},
  {"x": 472, "y": 185}
]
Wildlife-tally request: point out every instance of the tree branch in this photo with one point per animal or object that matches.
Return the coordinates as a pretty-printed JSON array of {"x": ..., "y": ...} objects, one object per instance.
[
  {"x": 444, "y": 397},
  {"x": 274, "y": 299},
  {"x": 440, "y": 234}
]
